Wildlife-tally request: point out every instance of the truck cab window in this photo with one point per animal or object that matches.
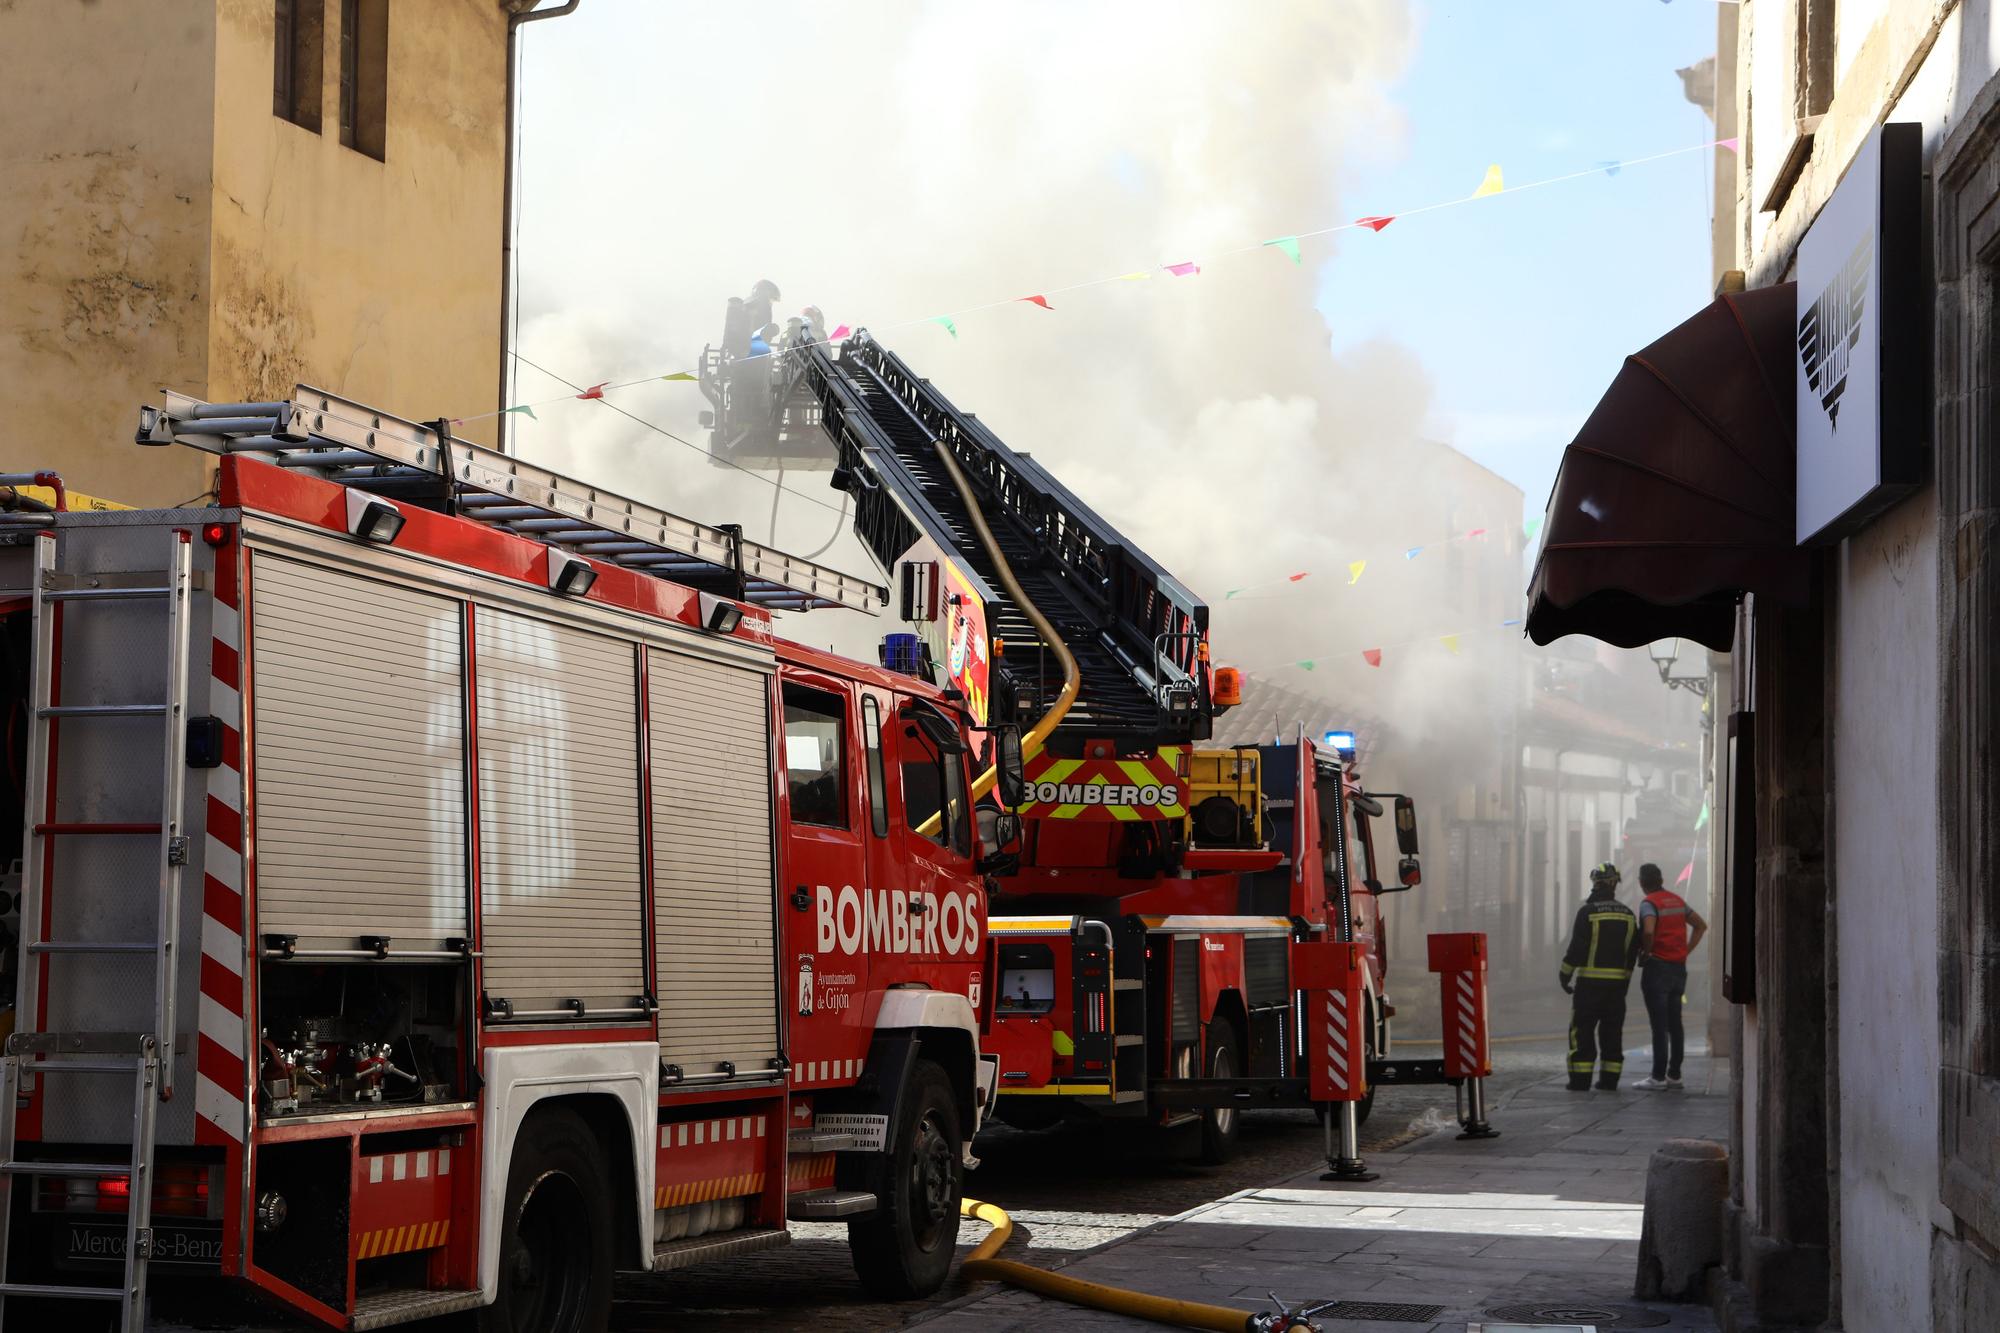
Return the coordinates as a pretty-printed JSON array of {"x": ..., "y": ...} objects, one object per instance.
[
  {"x": 814, "y": 755},
  {"x": 934, "y": 784},
  {"x": 871, "y": 740}
]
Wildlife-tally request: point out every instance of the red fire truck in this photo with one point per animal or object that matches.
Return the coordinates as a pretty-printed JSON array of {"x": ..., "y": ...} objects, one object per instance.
[
  {"x": 438, "y": 886},
  {"x": 1173, "y": 907}
]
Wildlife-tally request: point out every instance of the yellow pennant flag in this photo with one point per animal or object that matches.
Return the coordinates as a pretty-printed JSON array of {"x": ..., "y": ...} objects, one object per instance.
[
  {"x": 1354, "y": 569},
  {"x": 1450, "y": 641},
  {"x": 1493, "y": 184}
]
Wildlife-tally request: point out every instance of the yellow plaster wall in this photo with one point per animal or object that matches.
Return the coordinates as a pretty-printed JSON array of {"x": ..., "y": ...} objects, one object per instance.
[
  {"x": 105, "y": 132},
  {"x": 376, "y": 280}
]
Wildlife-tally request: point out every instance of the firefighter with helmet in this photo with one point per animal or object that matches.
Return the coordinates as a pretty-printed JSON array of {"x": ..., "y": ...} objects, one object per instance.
[{"x": 1596, "y": 972}]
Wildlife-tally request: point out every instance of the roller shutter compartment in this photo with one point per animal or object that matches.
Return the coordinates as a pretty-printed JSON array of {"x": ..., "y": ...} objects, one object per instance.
[
  {"x": 562, "y": 913},
  {"x": 714, "y": 895},
  {"x": 358, "y": 732}
]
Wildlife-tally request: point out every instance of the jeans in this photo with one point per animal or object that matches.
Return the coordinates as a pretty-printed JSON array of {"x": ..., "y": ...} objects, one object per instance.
[{"x": 1664, "y": 984}]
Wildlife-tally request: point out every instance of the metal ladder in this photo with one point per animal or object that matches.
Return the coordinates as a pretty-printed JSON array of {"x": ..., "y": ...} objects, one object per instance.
[{"x": 148, "y": 1057}]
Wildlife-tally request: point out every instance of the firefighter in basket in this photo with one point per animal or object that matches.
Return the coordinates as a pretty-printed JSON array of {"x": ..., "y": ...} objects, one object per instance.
[{"x": 1596, "y": 972}]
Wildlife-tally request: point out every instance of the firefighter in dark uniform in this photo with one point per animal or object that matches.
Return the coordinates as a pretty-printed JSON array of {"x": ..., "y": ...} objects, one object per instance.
[{"x": 1596, "y": 971}]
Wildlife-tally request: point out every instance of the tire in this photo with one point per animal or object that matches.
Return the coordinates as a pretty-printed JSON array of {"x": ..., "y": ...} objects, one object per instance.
[
  {"x": 903, "y": 1249},
  {"x": 1221, "y": 1125},
  {"x": 555, "y": 1232}
]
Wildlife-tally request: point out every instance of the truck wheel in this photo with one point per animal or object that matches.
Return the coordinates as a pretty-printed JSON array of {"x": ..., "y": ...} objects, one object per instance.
[
  {"x": 903, "y": 1249},
  {"x": 555, "y": 1232},
  {"x": 1220, "y": 1125}
]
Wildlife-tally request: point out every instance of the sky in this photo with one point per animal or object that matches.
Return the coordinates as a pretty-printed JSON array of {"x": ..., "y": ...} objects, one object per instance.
[{"x": 889, "y": 162}]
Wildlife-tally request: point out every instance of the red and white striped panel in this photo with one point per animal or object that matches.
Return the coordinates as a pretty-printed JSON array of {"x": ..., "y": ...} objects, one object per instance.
[
  {"x": 1336, "y": 1022},
  {"x": 221, "y": 1071},
  {"x": 1466, "y": 1053},
  {"x": 819, "y": 1073},
  {"x": 727, "y": 1129}
]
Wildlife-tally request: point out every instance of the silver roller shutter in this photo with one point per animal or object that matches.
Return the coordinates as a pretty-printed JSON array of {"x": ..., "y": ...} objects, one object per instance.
[
  {"x": 359, "y": 758},
  {"x": 714, "y": 895},
  {"x": 562, "y": 912}
]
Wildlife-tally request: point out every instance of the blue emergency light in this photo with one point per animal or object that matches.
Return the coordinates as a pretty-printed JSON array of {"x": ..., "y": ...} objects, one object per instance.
[{"x": 1341, "y": 743}]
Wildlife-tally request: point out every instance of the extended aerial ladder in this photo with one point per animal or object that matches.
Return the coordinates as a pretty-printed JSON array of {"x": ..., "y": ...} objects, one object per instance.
[{"x": 1139, "y": 636}]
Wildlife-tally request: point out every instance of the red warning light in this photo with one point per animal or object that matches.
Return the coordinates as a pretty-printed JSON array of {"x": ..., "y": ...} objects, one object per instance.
[{"x": 215, "y": 534}]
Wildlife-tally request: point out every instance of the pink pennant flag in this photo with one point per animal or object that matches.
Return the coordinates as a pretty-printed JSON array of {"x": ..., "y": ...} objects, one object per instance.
[
  {"x": 594, "y": 391},
  {"x": 1186, "y": 270},
  {"x": 1294, "y": 578},
  {"x": 1476, "y": 532},
  {"x": 1372, "y": 656},
  {"x": 1041, "y": 301},
  {"x": 1375, "y": 223},
  {"x": 1730, "y": 144},
  {"x": 1687, "y": 873}
]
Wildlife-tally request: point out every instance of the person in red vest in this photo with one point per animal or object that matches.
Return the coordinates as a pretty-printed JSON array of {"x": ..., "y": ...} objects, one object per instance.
[{"x": 1669, "y": 930}]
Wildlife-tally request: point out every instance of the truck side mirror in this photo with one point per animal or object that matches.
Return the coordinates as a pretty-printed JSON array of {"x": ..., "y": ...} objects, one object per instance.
[
  {"x": 999, "y": 841},
  {"x": 1010, "y": 767},
  {"x": 1406, "y": 826},
  {"x": 1409, "y": 872}
]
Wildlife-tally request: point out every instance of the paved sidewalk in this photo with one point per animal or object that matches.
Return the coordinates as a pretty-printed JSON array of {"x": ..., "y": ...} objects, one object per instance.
[{"x": 1547, "y": 1215}]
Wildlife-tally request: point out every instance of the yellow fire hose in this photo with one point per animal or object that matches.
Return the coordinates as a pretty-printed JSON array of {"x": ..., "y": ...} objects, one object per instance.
[
  {"x": 981, "y": 1264},
  {"x": 1031, "y": 744}
]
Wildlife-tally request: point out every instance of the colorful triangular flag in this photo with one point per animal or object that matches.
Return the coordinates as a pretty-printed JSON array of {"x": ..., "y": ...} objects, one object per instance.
[
  {"x": 1231, "y": 593},
  {"x": 1354, "y": 568},
  {"x": 594, "y": 391},
  {"x": 1307, "y": 664},
  {"x": 840, "y": 333},
  {"x": 524, "y": 410},
  {"x": 1450, "y": 641},
  {"x": 1375, "y": 223},
  {"x": 1041, "y": 301},
  {"x": 946, "y": 321},
  {"x": 1505, "y": 623},
  {"x": 1493, "y": 184},
  {"x": 1184, "y": 270},
  {"x": 1730, "y": 144},
  {"x": 1475, "y": 533},
  {"x": 1372, "y": 656},
  {"x": 1294, "y": 578},
  {"x": 1687, "y": 873},
  {"x": 1701, "y": 820},
  {"x": 1533, "y": 526},
  {"x": 1288, "y": 244},
  {"x": 1413, "y": 553},
  {"x": 680, "y": 375},
  {"x": 1609, "y": 168}
]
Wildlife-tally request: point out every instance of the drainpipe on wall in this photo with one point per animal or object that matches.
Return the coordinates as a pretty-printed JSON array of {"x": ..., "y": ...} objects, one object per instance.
[{"x": 514, "y": 21}]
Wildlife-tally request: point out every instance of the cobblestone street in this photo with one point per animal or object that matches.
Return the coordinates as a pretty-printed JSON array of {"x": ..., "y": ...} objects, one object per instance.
[{"x": 1068, "y": 1190}]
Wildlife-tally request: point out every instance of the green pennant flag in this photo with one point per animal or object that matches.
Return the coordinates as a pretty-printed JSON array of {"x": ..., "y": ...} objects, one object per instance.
[
  {"x": 1701, "y": 820},
  {"x": 1534, "y": 526},
  {"x": 1231, "y": 593},
  {"x": 525, "y": 411},
  {"x": 945, "y": 320},
  {"x": 1307, "y": 664},
  {"x": 1289, "y": 244},
  {"x": 680, "y": 375}
]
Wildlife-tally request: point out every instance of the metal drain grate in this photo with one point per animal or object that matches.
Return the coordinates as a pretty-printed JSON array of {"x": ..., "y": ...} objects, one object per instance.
[
  {"x": 1387, "y": 1311},
  {"x": 1556, "y": 1312}
]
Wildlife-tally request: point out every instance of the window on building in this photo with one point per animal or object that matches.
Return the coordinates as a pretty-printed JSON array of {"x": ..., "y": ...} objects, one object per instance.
[
  {"x": 364, "y": 76},
  {"x": 298, "y": 62},
  {"x": 814, "y": 757},
  {"x": 1814, "y": 53}
]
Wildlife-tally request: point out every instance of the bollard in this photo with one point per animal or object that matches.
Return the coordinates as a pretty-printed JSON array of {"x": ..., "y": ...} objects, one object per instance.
[
  {"x": 1680, "y": 1238},
  {"x": 1460, "y": 962},
  {"x": 1336, "y": 1048}
]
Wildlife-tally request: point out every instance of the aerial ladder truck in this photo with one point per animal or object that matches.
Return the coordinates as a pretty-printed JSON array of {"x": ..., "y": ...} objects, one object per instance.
[{"x": 1185, "y": 932}]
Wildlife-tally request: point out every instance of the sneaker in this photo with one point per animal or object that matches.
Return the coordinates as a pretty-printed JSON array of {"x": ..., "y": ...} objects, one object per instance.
[
  {"x": 1673, "y": 1083},
  {"x": 1655, "y": 1084}
]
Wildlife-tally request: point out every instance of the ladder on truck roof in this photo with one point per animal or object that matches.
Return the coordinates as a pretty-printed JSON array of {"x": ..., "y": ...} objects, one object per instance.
[
  {"x": 1138, "y": 634},
  {"x": 356, "y": 445},
  {"x": 34, "y": 1051}
]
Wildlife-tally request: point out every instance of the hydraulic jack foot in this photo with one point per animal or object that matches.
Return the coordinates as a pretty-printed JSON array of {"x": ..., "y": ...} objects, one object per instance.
[
  {"x": 1472, "y": 1114},
  {"x": 1349, "y": 1168},
  {"x": 1345, "y": 1159}
]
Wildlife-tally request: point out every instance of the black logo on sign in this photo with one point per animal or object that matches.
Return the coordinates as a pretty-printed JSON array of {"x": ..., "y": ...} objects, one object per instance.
[{"x": 1831, "y": 330}]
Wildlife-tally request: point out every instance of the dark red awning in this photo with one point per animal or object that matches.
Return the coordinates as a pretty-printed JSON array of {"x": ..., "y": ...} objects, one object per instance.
[{"x": 1677, "y": 495}]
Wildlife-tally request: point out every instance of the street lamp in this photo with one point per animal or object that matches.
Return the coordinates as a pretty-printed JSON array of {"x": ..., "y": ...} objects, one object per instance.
[{"x": 1665, "y": 653}]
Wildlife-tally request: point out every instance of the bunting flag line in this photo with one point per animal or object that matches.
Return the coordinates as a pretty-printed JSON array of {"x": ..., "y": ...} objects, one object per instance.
[
  {"x": 1041, "y": 301},
  {"x": 1289, "y": 245},
  {"x": 1354, "y": 569},
  {"x": 1453, "y": 643},
  {"x": 1494, "y": 183},
  {"x": 1372, "y": 656}
]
